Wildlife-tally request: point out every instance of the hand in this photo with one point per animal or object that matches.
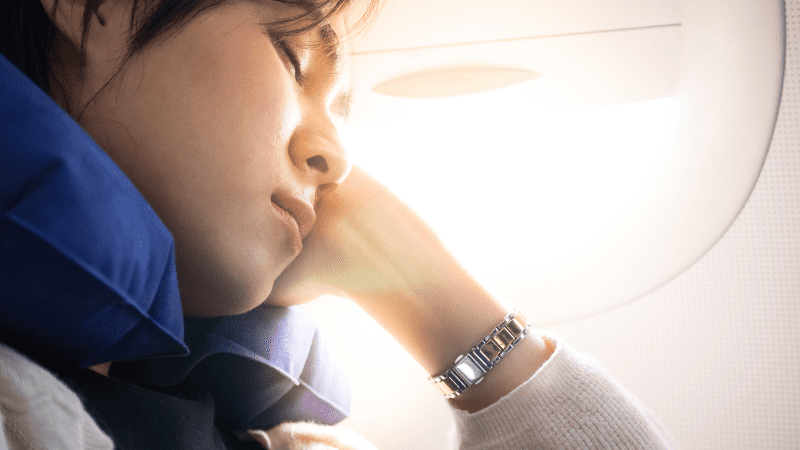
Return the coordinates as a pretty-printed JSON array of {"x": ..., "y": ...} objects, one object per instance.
[
  {"x": 365, "y": 242},
  {"x": 369, "y": 246},
  {"x": 307, "y": 436}
]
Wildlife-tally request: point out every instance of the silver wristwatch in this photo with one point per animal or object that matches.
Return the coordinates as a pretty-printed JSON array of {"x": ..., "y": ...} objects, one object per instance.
[{"x": 470, "y": 368}]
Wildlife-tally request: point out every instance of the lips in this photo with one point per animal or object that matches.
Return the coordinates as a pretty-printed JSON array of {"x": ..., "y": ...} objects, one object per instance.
[{"x": 300, "y": 211}]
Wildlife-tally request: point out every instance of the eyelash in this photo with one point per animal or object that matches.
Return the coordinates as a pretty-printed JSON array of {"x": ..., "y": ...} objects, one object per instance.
[{"x": 287, "y": 50}]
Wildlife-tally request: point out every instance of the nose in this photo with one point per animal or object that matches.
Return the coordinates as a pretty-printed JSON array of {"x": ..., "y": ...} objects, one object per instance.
[{"x": 317, "y": 151}]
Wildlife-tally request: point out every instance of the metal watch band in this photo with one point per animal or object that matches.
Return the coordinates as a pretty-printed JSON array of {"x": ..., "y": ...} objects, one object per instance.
[{"x": 470, "y": 368}]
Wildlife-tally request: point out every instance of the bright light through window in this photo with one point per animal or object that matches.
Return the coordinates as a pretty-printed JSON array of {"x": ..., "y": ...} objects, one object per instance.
[{"x": 509, "y": 183}]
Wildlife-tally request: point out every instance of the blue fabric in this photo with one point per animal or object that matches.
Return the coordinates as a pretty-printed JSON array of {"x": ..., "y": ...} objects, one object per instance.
[
  {"x": 86, "y": 267},
  {"x": 299, "y": 384},
  {"x": 87, "y": 275}
]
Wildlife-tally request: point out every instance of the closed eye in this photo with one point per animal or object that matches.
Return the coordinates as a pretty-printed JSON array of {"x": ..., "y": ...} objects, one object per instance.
[{"x": 296, "y": 68}]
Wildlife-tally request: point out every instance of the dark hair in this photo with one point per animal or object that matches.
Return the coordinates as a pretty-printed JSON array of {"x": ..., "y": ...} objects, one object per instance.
[{"x": 27, "y": 35}]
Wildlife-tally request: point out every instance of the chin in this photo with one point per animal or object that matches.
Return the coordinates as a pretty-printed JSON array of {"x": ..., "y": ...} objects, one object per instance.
[
  {"x": 224, "y": 296},
  {"x": 228, "y": 281},
  {"x": 231, "y": 307},
  {"x": 285, "y": 301},
  {"x": 246, "y": 303}
]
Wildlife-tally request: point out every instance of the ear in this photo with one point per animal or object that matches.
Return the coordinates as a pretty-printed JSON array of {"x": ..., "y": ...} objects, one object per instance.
[
  {"x": 106, "y": 28},
  {"x": 67, "y": 16}
]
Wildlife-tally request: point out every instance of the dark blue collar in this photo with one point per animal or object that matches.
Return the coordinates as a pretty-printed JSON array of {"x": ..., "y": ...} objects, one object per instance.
[{"x": 87, "y": 275}]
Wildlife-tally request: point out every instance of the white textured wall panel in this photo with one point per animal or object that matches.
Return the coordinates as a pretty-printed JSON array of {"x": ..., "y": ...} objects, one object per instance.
[{"x": 716, "y": 352}]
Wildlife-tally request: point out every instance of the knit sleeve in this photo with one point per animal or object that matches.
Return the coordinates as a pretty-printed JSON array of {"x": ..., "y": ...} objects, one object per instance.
[
  {"x": 569, "y": 403},
  {"x": 38, "y": 411}
]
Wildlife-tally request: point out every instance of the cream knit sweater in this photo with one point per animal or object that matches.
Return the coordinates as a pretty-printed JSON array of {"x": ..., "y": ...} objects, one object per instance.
[{"x": 570, "y": 403}]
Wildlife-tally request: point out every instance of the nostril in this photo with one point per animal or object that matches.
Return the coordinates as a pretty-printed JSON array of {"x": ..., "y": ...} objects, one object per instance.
[{"x": 318, "y": 163}]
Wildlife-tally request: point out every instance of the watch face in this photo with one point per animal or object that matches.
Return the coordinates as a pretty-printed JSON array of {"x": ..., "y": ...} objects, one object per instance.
[{"x": 469, "y": 369}]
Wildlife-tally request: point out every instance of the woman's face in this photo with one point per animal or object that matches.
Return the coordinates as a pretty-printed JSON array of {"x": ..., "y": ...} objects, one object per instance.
[{"x": 214, "y": 129}]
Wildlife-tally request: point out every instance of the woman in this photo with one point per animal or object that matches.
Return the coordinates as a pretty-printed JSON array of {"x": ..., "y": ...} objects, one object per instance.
[{"x": 223, "y": 116}]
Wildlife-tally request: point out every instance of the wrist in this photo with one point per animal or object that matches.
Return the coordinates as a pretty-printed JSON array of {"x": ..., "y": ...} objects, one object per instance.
[
  {"x": 470, "y": 368},
  {"x": 437, "y": 321},
  {"x": 512, "y": 371}
]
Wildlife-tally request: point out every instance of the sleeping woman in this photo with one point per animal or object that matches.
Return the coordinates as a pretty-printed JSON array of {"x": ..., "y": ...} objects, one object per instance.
[{"x": 172, "y": 183}]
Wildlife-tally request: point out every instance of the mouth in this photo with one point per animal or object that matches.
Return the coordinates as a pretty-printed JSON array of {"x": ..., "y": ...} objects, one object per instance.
[
  {"x": 291, "y": 225},
  {"x": 297, "y": 213}
]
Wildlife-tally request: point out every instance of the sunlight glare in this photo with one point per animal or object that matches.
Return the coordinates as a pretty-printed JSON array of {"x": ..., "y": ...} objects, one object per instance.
[{"x": 507, "y": 182}]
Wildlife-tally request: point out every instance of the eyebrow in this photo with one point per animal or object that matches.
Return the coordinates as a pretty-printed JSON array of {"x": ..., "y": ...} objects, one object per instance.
[
  {"x": 333, "y": 52},
  {"x": 332, "y": 45}
]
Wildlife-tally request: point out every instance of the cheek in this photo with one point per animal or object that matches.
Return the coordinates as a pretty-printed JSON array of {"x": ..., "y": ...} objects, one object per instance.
[{"x": 203, "y": 134}]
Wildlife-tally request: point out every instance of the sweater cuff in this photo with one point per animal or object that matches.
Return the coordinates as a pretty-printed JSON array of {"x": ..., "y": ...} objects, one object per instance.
[{"x": 570, "y": 402}]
